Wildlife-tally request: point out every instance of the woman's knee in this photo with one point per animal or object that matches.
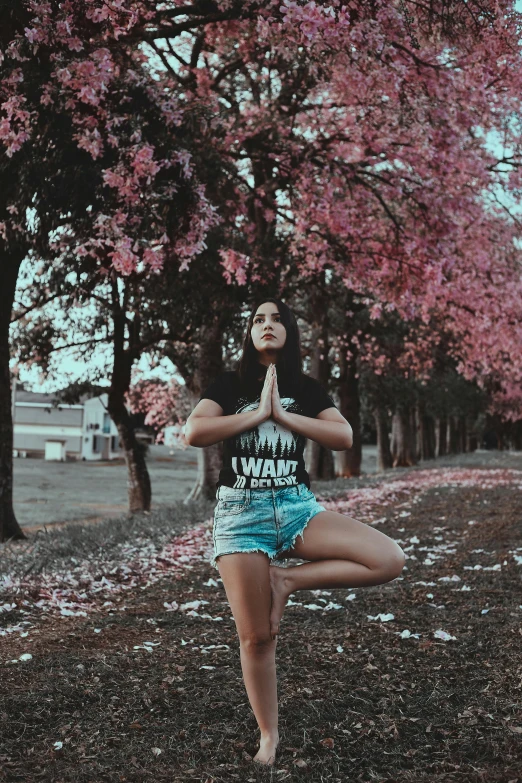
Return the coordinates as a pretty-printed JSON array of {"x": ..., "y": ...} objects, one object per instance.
[
  {"x": 257, "y": 642},
  {"x": 246, "y": 580},
  {"x": 393, "y": 562}
]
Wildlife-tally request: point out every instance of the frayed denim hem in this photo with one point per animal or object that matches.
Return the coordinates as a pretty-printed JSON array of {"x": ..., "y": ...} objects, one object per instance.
[
  {"x": 272, "y": 554},
  {"x": 301, "y": 532}
]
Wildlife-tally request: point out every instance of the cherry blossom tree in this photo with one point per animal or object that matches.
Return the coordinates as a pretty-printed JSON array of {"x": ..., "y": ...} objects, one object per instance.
[
  {"x": 109, "y": 324},
  {"x": 360, "y": 148},
  {"x": 163, "y": 404},
  {"x": 353, "y": 136},
  {"x": 410, "y": 385},
  {"x": 96, "y": 161}
]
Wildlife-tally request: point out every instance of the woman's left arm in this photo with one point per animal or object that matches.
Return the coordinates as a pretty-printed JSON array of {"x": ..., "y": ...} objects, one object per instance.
[{"x": 329, "y": 428}]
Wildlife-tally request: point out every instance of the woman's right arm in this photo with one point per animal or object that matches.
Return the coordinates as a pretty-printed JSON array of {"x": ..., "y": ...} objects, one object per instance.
[{"x": 207, "y": 425}]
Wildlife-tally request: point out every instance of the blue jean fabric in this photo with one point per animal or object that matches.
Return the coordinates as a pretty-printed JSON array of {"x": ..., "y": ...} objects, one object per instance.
[{"x": 261, "y": 520}]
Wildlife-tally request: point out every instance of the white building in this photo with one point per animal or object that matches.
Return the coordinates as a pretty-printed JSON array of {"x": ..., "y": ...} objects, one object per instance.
[
  {"x": 100, "y": 439},
  {"x": 81, "y": 431}
]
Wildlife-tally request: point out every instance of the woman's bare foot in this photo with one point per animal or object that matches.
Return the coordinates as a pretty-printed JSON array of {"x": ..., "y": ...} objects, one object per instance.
[
  {"x": 267, "y": 750},
  {"x": 280, "y": 592}
]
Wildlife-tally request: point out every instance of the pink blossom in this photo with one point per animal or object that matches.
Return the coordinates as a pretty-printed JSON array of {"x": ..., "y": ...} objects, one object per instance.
[
  {"x": 154, "y": 258},
  {"x": 235, "y": 265}
]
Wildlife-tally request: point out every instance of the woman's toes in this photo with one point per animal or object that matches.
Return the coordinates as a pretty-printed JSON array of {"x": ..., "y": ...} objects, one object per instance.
[{"x": 267, "y": 752}]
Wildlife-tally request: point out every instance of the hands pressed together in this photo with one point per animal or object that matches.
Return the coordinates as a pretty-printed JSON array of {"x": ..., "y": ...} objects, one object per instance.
[{"x": 270, "y": 404}]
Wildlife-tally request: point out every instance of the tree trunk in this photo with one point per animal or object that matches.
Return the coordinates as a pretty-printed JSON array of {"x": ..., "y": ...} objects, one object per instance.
[
  {"x": 450, "y": 436},
  {"x": 417, "y": 430},
  {"x": 384, "y": 456},
  {"x": 462, "y": 434},
  {"x": 500, "y": 429},
  {"x": 401, "y": 446},
  {"x": 210, "y": 461},
  {"x": 421, "y": 446},
  {"x": 423, "y": 434},
  {"x": 516, "y": 436},
  {"x": 453, "y": 435},
  {"x": 319, "y": 459},
  {"x": 209, "y": 365},
  {"x": 9, "y": 527},
  {"x": 471, "y": 442},
  {"x": 440, "y": 437},
  {"x": 325, "y": 466},
  {"x": 349, "y": 461},
  {"x": 429, "y": 428},
  {"x": 138, "y": 479},
  {"x": 412, "y": 433}
]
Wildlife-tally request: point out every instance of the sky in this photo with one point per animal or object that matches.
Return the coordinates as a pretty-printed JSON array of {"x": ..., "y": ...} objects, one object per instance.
[{"x": 66, "y": 368}]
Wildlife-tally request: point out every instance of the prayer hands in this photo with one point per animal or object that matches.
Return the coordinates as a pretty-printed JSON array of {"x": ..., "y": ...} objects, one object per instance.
[{"x": 278, "y": 412}]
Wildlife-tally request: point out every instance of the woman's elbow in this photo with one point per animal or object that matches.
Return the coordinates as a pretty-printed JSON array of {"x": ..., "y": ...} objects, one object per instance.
[{"x": 189, "y": 434}]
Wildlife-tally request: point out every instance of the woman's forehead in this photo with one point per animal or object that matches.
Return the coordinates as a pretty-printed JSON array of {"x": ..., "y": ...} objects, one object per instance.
[{"x": 264, "y": 308}]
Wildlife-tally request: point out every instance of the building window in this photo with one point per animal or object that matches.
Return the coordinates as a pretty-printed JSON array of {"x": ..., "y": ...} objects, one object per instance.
[
  {"x": 114, "y": 443},
  {"x": 96, "y": 445}
]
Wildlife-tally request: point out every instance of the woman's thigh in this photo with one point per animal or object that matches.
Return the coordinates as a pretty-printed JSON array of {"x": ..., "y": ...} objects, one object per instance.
[
  {"x": 330, "y": 535},
  {"x": 246, "y": 579}
]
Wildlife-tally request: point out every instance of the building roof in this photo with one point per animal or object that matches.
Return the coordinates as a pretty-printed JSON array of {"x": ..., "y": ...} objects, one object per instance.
[
  {"x": 40, "y": 397},
  {"x": 27, "y": 396}
]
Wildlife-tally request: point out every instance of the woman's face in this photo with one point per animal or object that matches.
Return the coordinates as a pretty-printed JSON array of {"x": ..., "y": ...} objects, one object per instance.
[{"x": 267, "y": 321}]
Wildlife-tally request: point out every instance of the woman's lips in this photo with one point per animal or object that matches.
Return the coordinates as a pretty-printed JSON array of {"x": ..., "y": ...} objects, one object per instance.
[{"x": 268, "y": 336}]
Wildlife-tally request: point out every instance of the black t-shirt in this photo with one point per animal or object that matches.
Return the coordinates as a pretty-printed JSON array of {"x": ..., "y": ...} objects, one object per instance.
[{"x": 267, "y": 456}]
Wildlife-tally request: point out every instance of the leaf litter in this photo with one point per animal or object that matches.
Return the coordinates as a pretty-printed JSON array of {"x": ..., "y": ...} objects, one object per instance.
[{"x": 124, "y": 664}]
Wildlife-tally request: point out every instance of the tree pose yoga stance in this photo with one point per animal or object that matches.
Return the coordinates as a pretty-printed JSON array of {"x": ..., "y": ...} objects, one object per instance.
[{"x": 266, "y": 511}]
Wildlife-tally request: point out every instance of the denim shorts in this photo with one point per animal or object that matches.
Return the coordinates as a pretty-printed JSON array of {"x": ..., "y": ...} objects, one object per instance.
[{"x": 261, "y": 520}]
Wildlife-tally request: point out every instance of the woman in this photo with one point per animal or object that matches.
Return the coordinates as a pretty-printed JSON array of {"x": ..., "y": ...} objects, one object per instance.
[{"x": 266, "y": 511}]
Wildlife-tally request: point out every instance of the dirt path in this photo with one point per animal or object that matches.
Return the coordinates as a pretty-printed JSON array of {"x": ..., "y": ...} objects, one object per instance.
[{"x": 417, "y": 680}]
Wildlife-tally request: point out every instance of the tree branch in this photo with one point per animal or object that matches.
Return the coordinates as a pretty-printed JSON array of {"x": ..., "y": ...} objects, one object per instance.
[
  {"x": 33, "y": 307},
  {"x": 92, "y": 341},
  {"x": 166, "y": 63},
  {"x": 414, "y": 57},
  {"x": 175, "y": 30}
]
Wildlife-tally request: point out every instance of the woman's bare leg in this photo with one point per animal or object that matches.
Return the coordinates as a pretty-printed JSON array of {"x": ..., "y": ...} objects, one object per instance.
[
  {"x": 347, "y": 553},
  {"x": 246, "y": 580}
]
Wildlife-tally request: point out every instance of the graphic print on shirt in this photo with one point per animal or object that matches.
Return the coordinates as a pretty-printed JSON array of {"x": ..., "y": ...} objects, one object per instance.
[{"x": 266, "y": 454}]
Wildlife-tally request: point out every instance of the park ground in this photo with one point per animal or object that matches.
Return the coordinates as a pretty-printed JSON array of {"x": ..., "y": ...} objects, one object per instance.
[
  {"x": 120, "y": 659},
  {"x": 49, "y": 493}
]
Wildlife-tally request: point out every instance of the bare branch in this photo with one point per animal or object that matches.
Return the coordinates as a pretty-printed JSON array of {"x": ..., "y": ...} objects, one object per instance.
[
  {"x": 226, "y": 70},
  {"x": 414, "y": 57},
  {"x": 166, "y": 63},
  {"x": 175, "y": 30},
  {"x": 178, "y": 57},
  {"x": 196, "y": 51},
  {"x": 90, "y": 342},
  {"x": 33, "y": 307}
]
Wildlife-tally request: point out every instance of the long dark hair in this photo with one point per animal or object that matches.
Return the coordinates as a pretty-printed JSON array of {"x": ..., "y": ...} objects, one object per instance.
[{"x": 289, "y": 361}]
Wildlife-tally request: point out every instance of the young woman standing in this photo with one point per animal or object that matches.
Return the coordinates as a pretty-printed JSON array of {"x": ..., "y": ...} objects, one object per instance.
[{"x": 264, "y": 411}]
